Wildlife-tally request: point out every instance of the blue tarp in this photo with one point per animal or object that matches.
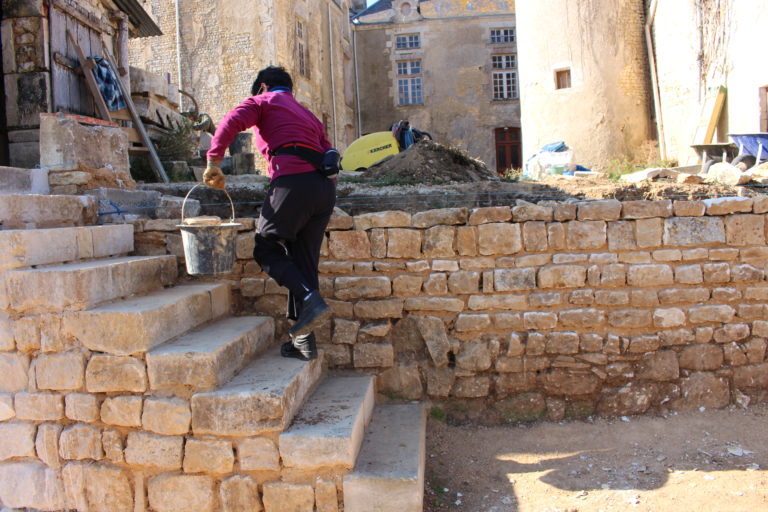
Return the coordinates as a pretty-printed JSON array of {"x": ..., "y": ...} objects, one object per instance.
[{"x": 107, "y": 81}]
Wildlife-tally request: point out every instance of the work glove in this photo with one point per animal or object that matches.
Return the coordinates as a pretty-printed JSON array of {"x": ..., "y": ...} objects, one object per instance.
[{"x": 213, "y": 177}]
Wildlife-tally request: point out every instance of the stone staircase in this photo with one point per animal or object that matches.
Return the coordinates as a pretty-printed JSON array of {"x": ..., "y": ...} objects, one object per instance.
[{"x": 123, "y": 391}]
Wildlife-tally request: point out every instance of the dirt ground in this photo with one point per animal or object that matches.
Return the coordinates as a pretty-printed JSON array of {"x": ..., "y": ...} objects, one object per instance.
[{"x": 702, "y": 461}]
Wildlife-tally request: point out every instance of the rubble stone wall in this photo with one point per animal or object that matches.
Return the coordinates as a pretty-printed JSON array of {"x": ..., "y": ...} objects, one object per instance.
[{"x": 527, "y": 311}]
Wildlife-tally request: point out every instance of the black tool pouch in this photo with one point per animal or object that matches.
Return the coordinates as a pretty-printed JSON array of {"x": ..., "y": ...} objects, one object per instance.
[{"x": 330, "y": 164}]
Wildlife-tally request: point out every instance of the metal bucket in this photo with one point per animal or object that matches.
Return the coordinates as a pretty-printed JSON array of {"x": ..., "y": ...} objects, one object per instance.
[{"x": 209, "y": 249}]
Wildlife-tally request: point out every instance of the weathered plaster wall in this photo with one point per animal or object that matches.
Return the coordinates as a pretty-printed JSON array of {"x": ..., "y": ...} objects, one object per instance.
[
  {"x": 604, "y": 113},
  {"x": 557, "y": 308},
  {"x": 224, "y": 45},
  {"x": 694, "y": 58},
  {"x": 455, "y": 55}
]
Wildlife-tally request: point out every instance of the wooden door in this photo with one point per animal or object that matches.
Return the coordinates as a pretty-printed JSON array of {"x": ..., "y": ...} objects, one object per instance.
[
  {"x": 70, "y": 93},
  {"x": 508, "y": 149}
]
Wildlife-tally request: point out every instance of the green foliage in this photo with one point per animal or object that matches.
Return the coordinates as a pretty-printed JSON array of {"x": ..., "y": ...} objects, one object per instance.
[
  {"x": 178, "y": 144},
  {"x": 437, "y": 413},
  {"x": 621, "y": 165},
  {"x": 512, "y": 174},
  {"x": 392, "y": 178}
]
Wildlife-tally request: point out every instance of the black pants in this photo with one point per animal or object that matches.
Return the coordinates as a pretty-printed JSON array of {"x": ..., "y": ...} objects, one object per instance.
[{"x": 290, "y": 232}]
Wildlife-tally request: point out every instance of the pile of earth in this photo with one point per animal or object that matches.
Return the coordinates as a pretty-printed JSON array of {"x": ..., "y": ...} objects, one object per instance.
[{"x": 428, "y": 162}]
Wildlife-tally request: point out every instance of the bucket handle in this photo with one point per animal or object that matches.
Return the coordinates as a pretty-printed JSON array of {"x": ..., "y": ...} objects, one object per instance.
[{"x": 183, "y": 204}]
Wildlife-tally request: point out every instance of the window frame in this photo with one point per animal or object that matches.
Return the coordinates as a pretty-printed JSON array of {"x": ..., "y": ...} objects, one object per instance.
[
  {"x": 505, "y": 86},
  {"x": 500, "y": 56},
  {"x": 505, "y": 35},
  {"x": 408, "y": 39},
  {"x": 565, "y": 74}
]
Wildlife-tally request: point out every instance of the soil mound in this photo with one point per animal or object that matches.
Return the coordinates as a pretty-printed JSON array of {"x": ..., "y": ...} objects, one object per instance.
[{"x": 428, "y": 162}]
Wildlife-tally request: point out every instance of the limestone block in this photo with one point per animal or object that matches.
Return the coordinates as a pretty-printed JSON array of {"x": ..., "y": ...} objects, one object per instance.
[
  {"x": 14, "y": 180},
  {"x": 81, "y": 441},
  {"x": 167, "y": 416},
  {"x": 62, "y": 371},
  {"x": 403, "y": 382},
  {"x": 258, "y": 454},
  {"x": 39, "y": 406},
  {"x": 436, "y": 284},
  {"x": 745, "y": 229},
  {"x": 66, "y": 145},
  {"x": 47, "y": 443},
  {"x": 433, "y": 304},
  {"x": 589, "y": 234},
  {"x": 716, "y": 272},
  {"x": 433, "y": 332},
  {"x": 581, "y": 297},
  {"x": 535, "y": 236},
  {"x": 475, "y": 357},
  {"x": 500, "y": 301},
  {"x": 362, "y": 287},
  {"x": 701, "y": 357},
  {"x": 760, "y": 203},
  {"x": 611, "y": 297},
  {"x": 466, "y": 240},
  {"x": 477, "y": 263},
  {"x": 659, "y": 366},
  {"x": 14, "y": 367},
  {"x": 621, "y": 235},
  {"x": 345, "y": 331},
  {"x": 463, "y": 282},
  {"x": 725, "y": 294},
  {"x": 373, "y": 355},
  {"x": 439, "y": 241},
  {"x": 609, "y": 209},
  {"x": 537, "y": 320},
  {"x": 326, "y": 497},
  {"x": 649, "y": 275},
  {"x": 525, "y": 211},
  {"x": 379, "y": 243},
  {"x": 404, "y": 243},
  {"x": 563, "y": 343},
  {"x": 613, "y": 275},
  {"x": 648, "y": 232},
  {"x": 377, "y": 309},
  {"x": 689, "y": 208},
  {"x": 471, "y": 387},
  {"x": 562, "y": 276},
  {"x": 112, "y": 443},
  {"x": 286, "y": 497},
  {"x": 689, "y": 231},
  {"x": 153, "y": 451},
  {"x": 556, "y": 236},
  {"x": 106, "y": 374},
  {"x": 564, "y": 211},
  {"x": 744, "y": 272},
  {"x": 490, "y": 214},
  {"x": 240, "y": 493},
  {"x": 31, "y": 484},
  {"x": 390, "y": 219},
  {"x": 731, "y": 332},
  {"x": 82, "y": 407},
  {"x": 646, "y": 209},
  {"x": 668, "y": 317},
  {"x": 244, "y": 244},
  {"x": 440, "y": 381},
  {"x": 411, "y": 266},
  {"x": 208, "y": 456},
  {"x": 752, "y": 376},
  {"x": 172, "y": 492},
  {"x": 445, "y": 266},
  {"x": 567, "y": 382},
  {"x": 123, "y": 411},
  {"x": 704, "y": 389},
  {"x": 499, "y": 238},
  {"x": 629, "y": 318},
  {"x": 345, "y": 245},
  {"x": 443, "y": 216},
  {"x": 506, "y": 280},
  {"x": 17, "y": 439},
  {"x": 643, "y": 344},
  {"x": 37, "y": 211},
  {"x": 6, "y": 407},
  {"x": 726, "y": 205},
  {"x": 512, "y": 383},
  {"x": 689, "y": 274},
  {"x": 706, "y": 314},
  {"x": 472, "y": 322},
  {"x": 252, "y": 286}
]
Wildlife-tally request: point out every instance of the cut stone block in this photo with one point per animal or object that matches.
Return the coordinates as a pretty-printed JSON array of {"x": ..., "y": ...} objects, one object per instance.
[
  {"x": 263, "y": 397},
  {"x": 138, "y": 324},
  {"x": 208, "y": 358},
  {"x": 389, "y": 473},
  {"x": 30, "y": 211},
  {"x": 14, "y": 180},
  {"x": 79, "y": 286},
  {"x": 31, "y": 484},
  {"x": 135, "y": 202},
  {"x": 328, "y": 431}
]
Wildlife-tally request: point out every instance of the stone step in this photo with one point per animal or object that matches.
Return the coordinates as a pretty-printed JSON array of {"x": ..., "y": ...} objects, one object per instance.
[
  {"x": 329, "y": 428},
  {"x": 31, "y": 247},
  {"x": 83, "y": 285},
  {"x": 208, "y": 358},
  {"x": 138, "y": 324},
  {"x": 33, "y": 211},
  {"x": 264, "y": 397},
  {"x": 14, "y": 180},
  {"x": 389, "y": 472}
]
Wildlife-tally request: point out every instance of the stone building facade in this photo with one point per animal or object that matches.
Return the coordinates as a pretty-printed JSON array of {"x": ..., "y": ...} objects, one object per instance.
[
  {"x": 224, "y": 43},
  {"x": 448, "y": 67},
  {"x": 584, "y": 77}
]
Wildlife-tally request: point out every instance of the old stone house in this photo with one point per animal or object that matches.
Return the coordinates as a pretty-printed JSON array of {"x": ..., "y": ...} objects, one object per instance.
[
  {"x": 40, "y": 65},
  {"x": 446, "y": 66},
  {"x": 213, "y": 50}
]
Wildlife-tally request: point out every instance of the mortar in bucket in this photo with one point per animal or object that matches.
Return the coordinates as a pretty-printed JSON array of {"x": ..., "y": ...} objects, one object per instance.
[{"x": 209, "y": 244}]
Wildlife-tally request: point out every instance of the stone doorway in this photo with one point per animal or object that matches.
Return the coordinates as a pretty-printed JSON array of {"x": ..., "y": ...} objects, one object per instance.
[{"x": 508, "y": 149}]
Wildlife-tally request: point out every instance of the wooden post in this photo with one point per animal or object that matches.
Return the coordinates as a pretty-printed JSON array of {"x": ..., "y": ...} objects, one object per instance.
[{"x": 122, "y": 48}]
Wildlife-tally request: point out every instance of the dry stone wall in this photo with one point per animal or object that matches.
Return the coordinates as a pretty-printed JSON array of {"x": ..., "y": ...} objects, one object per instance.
[{"x": 555, "y": 309}]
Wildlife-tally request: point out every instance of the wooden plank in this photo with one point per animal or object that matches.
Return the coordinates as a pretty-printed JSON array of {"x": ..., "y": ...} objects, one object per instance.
[
  {"x": 60, "y": 76},
  {"x": 84, "y": 42},
  {"x": 710, "y": 116},
  {"x": 154, "y": 161},
  {"x": 83, "y": 16},
  {"x": 87, "y": 66}
]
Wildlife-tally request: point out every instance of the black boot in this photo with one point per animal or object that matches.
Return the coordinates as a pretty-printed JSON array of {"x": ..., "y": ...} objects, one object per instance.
[
  {"x": 301, "y": 347},
  {"x": 314, "y": 311}
]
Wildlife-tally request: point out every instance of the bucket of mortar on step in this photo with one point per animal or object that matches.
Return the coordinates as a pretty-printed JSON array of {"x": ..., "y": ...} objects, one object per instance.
[{"x": 209, "y": 244}]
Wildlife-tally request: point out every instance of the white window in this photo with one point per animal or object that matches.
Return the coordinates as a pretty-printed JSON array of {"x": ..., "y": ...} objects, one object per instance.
[
  {"x": 302, "y": 52},
  {"x": 504, "y": 85},
  {"x": 409, "y": 82},
  {"x": 409, "y": 67},
  {"x": 503, "y": 35},
  {"x": 504, "y": 61},
  {"x": 407, "y": 42}
]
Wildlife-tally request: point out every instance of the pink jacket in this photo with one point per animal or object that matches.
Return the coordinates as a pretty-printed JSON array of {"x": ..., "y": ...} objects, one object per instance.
[{"x": 277, "y": 119}]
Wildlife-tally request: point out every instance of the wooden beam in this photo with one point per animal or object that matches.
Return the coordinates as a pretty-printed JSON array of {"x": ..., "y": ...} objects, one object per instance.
[
  {"x": 87, "y": 66},
  {"x": 83, "y": 16}
]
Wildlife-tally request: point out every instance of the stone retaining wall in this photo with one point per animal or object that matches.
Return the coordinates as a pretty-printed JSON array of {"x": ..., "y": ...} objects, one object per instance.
[{"x": 555, "y": 309}]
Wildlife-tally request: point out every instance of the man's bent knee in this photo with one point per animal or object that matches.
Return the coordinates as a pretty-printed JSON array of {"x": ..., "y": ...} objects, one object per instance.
[{"x": 269, "y": 250}]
